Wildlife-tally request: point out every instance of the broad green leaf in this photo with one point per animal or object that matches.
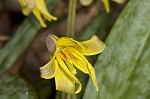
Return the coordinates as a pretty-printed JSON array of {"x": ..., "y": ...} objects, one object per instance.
[
  {"x": 123, "y": 68},
  {"x": 14, "y": 87},
  {"x": 21, "y": 39}
]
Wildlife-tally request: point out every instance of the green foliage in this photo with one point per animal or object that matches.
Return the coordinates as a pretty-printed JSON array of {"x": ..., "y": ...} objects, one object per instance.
[
  {"x": 14, "y": 87},
  {"x": 123, "y": 68}
]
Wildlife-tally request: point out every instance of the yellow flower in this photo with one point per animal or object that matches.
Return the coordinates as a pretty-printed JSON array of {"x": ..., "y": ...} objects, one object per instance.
[
  {"x": 38, "y": 7},
  {"x": 66, "y": 54},
  {"x": 106, "y": 3}
]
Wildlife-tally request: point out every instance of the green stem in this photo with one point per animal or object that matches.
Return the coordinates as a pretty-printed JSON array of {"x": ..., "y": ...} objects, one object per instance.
[{"x": 71, "y": 18}]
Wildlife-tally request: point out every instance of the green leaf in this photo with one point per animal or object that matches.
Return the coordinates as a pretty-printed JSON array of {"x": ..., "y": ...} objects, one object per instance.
[
  {"x": 14, "y": 87},
  {"x": 123, "y": 68},
  {"x": 21, "y": 39}
]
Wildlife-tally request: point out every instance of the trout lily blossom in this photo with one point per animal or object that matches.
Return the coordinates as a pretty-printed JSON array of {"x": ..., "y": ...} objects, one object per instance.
[
  {"x": 39, "y": 9},
  {"x": 66, "y": 54}
]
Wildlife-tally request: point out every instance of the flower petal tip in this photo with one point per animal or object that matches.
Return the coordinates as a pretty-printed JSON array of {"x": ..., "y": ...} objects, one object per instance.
[
  {"x": 119, "y": 1},
  {"x": 55, "y": 18},
  {"x": 86, "y": 2},
  {"x": 97, "y": 89}
]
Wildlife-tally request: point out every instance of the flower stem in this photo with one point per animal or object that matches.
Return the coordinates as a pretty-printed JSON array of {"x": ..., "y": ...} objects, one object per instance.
[
  {"x": 70, "y": 33},
  {"x": 71, "y": 18}
]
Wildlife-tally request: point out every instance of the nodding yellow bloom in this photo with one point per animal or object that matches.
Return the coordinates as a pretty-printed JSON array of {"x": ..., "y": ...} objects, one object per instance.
[
  {"x": 66, "y": 54},
  {"x": 39, "y": 9},
  {"x": 106, "y": 3}
]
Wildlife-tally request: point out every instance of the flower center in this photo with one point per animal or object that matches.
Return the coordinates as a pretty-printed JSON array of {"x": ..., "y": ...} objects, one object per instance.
[{"x": 66, "y": 56}]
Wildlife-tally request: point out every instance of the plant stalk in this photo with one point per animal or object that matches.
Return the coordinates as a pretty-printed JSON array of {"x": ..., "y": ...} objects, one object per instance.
[{"x": 71, "y": 18}]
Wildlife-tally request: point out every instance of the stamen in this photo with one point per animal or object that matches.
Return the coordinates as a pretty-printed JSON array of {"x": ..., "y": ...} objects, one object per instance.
[
  {"x": 67, "y": 53},
  {"x": 67, "y": 63},
  {"x": 61, "y": 55}
]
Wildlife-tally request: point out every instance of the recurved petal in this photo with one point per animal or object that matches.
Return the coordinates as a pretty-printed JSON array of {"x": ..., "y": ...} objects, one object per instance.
[
  {"x": 51, "y": 44},
  {"x": 48, "y": 71},
  {"x": 89, "y": 47},
  {"x": 65, "y": 42},
  {"x": 69, "y": 75},
  {"x": 82, "y": 63},
  {"x": 92, "y": 46}
]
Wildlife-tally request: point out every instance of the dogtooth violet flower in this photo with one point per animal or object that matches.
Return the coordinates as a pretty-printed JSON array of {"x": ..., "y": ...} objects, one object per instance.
[
  {"x": 66, "y": 54},
  {"x": 39, "y": 9}
]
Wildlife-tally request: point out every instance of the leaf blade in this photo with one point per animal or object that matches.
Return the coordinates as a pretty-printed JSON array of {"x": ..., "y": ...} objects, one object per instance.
[
  {"x": 14, "y": 87},
  {"x": 124, "y": 47}
]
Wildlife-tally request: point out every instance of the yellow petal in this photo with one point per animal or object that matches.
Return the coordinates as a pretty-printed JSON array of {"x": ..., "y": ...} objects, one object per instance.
[
  {"x": 39, "y": 17},
  {"x": 48, "y": 70},
  {"x": 27, "y": 6},
  {"x": 63, "y": 81},
  {"x": 69, "y": 65},
  {"x": 38, "y": 7},
  {"x": 92, "y": 75},
  {"x": 65, "y": 42},
  {"x": 75, "y": 59},
  {"x": 69, "y": 74},
  {"x": 82, "y": 63},
  {"x": 106, "y": 5},
  {"x": 119, "y": 1},
  {"x": 86, "y": 2},
  {"x": 41, "y": 6},
  {"x": 51, "y": 44},
  {"x": 92, "y": 46},
  {"x": 89, "y": 47}
]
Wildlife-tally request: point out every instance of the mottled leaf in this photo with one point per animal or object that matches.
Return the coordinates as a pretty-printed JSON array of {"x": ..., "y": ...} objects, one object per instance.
[
  {"x": 123, "y": 68},
  {"x": 14, "y": 87}
]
